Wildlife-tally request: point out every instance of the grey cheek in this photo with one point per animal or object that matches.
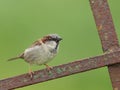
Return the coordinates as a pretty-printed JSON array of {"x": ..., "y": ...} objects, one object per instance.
[{"x": 54, "y": 51}]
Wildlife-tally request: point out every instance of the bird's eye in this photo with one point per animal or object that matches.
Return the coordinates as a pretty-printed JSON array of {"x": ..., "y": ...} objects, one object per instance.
[{"x": 48, "y": 38}]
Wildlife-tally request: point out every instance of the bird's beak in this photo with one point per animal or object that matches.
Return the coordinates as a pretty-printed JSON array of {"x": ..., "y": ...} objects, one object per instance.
[{"x": 60, "y": 39}]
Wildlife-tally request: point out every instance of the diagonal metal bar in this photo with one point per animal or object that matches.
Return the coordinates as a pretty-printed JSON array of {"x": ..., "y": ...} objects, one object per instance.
[
  {"x": 104, "y": 24},
  {"x": 107, "y": 35},
  {"x": 61, "y": 71}
]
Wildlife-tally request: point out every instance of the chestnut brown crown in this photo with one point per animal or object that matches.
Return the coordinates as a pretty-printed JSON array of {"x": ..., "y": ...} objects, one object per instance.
[{"x": 52, "y": 37}]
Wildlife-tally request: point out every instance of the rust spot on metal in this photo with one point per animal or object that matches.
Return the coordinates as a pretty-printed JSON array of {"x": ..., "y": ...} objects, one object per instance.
[
  {"x": 115, "y": 88},
  {"x": 50, "y": 74},
  {"x": 59, "y": 70},
  {"x": 92, "y": 2},
  {"x": 100, "y": 27}
]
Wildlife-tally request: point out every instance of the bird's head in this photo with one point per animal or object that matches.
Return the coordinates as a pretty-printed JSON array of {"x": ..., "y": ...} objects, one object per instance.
[
  {"x": 52, "y": 41},
  {"x": 51, "y": 37}
]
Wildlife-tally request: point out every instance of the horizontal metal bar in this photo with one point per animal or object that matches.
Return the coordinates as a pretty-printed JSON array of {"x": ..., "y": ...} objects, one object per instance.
[{"x": 61, "y": 71}]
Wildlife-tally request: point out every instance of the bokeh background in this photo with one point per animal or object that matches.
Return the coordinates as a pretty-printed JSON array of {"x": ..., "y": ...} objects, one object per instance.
[{"x": 23, "y": 21}]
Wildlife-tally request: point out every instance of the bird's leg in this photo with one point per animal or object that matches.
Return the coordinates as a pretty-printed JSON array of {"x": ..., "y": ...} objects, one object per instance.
[
  {"x": 30, "y": 71},
  {"x": 48, "y": 67}
]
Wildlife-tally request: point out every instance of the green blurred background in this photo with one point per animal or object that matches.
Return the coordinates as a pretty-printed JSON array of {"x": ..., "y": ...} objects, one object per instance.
[{"x": 23, "y": 21}]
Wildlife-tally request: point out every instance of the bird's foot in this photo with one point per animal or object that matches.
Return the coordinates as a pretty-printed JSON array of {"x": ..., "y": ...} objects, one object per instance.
[
  {"x": 48, "y": 67},
  {"x": 31, "y": 73}
]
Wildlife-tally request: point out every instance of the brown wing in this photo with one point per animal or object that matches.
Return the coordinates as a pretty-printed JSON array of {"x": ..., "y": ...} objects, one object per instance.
[
  {"x": 37, "y": 42},
  {"x": 40, "y": 41}
]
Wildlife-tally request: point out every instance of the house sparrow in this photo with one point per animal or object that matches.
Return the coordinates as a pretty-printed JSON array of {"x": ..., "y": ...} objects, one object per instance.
[{"x": 41, "y": 51}]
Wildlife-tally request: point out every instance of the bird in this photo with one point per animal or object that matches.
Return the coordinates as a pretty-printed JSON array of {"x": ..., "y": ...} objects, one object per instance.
[{"x": 40, "y": 52}]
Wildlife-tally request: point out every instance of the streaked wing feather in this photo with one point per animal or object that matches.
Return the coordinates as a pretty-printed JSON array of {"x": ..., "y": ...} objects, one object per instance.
[{"x": 37, "y": 42}]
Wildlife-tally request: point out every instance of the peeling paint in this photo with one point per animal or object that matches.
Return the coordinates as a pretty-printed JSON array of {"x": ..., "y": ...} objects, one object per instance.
[
  {"x": 59, "y": 70},
  {"x": 50, "y": 73},
  {"x": 36, "y": 76},
  {"x": 63, "y": 69},
  {"x": 25, "y": 80}
]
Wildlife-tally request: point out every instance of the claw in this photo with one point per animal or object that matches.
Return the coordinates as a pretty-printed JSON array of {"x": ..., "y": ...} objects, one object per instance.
[
  {"x": 31, "y": 73},
  {"x": 48, "y": 67}
]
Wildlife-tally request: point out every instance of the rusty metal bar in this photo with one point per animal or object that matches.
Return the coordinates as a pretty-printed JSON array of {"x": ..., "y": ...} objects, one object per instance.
[
  {"x": 104, "y": 24},
  {"x": 107, "y": 35},
  {"x": 61, "y": 71}
]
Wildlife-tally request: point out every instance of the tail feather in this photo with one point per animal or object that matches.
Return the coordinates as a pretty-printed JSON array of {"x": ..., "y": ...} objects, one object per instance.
[{"x": 15, "y": 58}]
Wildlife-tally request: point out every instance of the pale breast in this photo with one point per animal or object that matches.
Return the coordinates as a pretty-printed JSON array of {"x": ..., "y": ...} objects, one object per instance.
[{"x": 38, "y": 55}]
